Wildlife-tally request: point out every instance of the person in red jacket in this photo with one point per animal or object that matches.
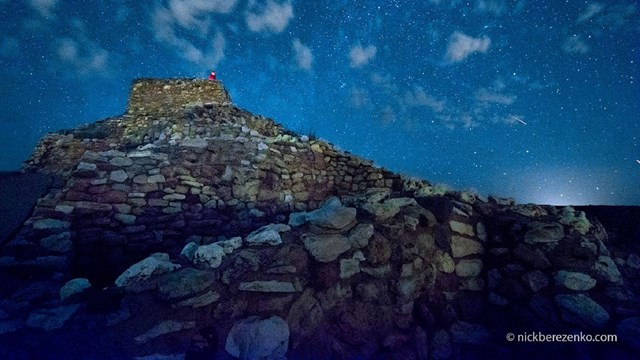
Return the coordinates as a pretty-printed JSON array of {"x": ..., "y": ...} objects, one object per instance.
[{"x": 212, "y": 76}]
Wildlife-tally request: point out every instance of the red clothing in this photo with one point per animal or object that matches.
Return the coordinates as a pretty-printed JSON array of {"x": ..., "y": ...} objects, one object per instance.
[{"x": 212, "y": 77}]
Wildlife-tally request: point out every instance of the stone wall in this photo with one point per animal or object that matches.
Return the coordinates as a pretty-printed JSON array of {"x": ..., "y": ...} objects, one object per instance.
[
  {"x": 161, "y": 97},
  {"x": 218, "y": 215},
  {"x": 149, "y": 182}
]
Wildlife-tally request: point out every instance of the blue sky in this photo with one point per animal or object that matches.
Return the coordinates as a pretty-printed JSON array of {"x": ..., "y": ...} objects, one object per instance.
[{"x": 538, "y": 100}]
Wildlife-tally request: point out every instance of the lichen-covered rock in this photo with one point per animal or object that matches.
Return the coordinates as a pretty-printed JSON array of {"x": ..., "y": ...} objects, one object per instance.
[
  {"x": 255, "y": 338},
  {"x": 576, "y": 219}
]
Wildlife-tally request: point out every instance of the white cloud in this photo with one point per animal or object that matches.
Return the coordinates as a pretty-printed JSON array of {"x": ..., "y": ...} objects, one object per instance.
[
  {"x": 617, "y": 16},
  {"x": 304, "y": 57},
  {"x": 272, "y": 17},
  {"x": 361, "y": 56},
  {"x": 84, "y": 57},
  {"x": 9, "y": 47},
  {"x": 592, "y": 10},
  {"x": 388, "y": 115},
  {"x": 217, "y": 54},
  {"x": 491, "y": 97},
  {"x": 163, "y": 26},
  {"x": 495, "y": 7},
  {"x": 419, "y": 97},
  {"x": 575, "y": 44},
  {"x": 188, "y": 13},
  {"x": 44, "y": 7},
  {"x": 461, "y": 46},
  {"x": 360, "y": 98}
]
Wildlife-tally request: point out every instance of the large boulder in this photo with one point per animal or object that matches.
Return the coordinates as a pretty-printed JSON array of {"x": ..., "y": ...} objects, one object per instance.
[
  {"x": 267, "y": 235},
  {"x": 51, "y": 319},
  {"x": 74, "y": 287},
  {"x": 574, "y": 280},
  {"x": 582, "y": 310},
  {"x": 138, "y": 273},
  {"x": 332, "y": 215},
  {"x": 210, "y": 255},
  {"x": 256, "y": 338},
  {"x": 326, "y": 248},
  {"x": 540, "y": 232},
  {"x": 389, "y": 208}
]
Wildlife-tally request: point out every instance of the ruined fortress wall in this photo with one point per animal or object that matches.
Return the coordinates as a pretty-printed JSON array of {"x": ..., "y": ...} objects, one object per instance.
[
  {"x": 163, "y": 173},
  {"x": 165, "y": 96}
]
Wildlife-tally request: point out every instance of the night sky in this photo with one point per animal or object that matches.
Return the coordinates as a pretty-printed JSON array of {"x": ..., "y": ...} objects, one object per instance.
[{"x": 538, "y": 100}]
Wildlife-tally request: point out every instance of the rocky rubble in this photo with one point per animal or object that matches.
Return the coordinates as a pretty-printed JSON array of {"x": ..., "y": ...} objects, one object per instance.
[{"x": 189, "y": 228}]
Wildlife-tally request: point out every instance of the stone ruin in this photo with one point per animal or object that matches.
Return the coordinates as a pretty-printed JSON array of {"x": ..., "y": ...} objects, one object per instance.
[{"x": 188, "y": 228}]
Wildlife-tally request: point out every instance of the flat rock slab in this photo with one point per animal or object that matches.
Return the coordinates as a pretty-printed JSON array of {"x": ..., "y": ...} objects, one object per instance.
[
  {"x": 51, "y": 319},
  {"x": 184, "y": 283},
  {"x": 326, "y": 248},
  {"x": 164, "y": 328},
  {"x": 268, "y": 286}
]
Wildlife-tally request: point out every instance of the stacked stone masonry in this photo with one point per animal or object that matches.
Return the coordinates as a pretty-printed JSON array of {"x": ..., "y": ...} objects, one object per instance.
[{"x": 223, "y": 220}]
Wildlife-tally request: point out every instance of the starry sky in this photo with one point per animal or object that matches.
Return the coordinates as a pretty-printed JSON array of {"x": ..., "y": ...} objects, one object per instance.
[{"x": 537, "y": 100}]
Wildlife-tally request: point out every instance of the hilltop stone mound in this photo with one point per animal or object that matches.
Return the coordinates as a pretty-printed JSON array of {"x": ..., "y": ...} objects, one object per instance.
[{"x": 188, "y": 228}]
